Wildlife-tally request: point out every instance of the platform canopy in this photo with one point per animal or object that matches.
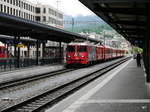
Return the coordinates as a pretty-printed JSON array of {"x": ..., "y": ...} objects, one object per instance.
[
  {"x": 127, "y": 17},
  {"x": 15, "y": 26}
]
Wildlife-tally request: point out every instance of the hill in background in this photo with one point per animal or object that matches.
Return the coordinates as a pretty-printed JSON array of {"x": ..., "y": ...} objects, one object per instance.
[{"x": 86, "y": 24}]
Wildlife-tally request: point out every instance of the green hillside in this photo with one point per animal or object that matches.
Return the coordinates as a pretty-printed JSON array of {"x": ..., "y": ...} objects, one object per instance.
[{"x": 96, "y": 27}]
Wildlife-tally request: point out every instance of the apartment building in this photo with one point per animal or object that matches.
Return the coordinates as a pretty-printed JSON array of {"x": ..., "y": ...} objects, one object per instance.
[
  {"x": 19, "y": 8},
  {"x": 49, "y": 15}
]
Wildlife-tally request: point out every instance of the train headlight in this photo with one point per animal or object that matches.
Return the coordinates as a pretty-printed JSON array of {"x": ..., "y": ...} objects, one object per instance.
[
  {"x": 82, "y": 56},
  {"x": 68, "y": 56}
]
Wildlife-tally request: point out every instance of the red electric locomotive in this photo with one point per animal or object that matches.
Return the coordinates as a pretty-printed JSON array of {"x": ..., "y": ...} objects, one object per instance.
[{"x": 80, "y": 53}]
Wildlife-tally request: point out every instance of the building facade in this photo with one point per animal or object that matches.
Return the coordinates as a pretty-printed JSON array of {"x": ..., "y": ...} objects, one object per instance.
[
  {"x": 49, "y": 15},
  {"x": 19, "y": 8}
]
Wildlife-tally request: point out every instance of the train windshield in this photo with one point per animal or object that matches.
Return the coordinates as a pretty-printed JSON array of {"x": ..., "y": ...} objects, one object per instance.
[
  {"x": 71, "y": 48},
  {"x": 82, "y": 48}
]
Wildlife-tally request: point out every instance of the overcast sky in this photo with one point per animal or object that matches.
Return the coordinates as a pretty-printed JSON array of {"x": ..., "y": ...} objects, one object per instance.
[{"x": 69, "y": 7}]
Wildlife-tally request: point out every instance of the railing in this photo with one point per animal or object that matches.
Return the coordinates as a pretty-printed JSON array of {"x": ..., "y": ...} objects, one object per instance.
[{"x": 12, "y": 63}]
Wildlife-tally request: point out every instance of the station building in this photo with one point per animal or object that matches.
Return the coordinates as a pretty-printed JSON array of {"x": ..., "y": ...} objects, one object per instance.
[{"x": 38, "y": 12}]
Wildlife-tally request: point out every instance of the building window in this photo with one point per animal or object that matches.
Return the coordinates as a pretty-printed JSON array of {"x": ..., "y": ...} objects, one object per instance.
[
  {"x": 31, "y": 8},
  {"x": 13, "y": 2},
  {"x": 19, "y": 13},
  {"x": 4, "y": 9},
  {"x": 14, "y": 12},
  {"x": 44, "y": 18},
  {"x": 11, "y": 11},
  {"x": 7, "y": 10},
  {"x": 24, "y": 5},
  {"x": 1, "y": 8},
  {"x": 37, "y": 10},
  {"x": 38, "y": 18},
  {"x": 16, "y": 2},
  {"x": 29, "y": 16},
  {"x": 44, "y": 10},
  {"x": 10, "y": 1},
  {"x": 7, "y": 1},
  {"x": 19, "y": 3}
]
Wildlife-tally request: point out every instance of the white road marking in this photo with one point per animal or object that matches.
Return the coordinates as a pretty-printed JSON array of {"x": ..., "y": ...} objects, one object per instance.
[{"x": 77, "y": 104}]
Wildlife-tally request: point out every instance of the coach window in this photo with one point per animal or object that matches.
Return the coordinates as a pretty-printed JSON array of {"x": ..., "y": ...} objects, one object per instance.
[
  {"x": 82, "y": 48},
  {"x": 71, "y": 48}
]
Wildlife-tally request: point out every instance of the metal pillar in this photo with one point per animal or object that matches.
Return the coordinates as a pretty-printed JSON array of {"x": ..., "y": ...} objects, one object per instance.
[
  {"x": 18, "y": 54},
  {"x": 37, "y": 52},
  {"x": 15, "y": 45},
  {"x": 60, "y": 52},
  {"x": 28, "y": 47},
  {"x": 43, "y": 49}
]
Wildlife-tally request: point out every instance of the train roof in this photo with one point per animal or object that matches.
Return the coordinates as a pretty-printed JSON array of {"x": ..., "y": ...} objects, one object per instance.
[{"x": 81, "y": 43}]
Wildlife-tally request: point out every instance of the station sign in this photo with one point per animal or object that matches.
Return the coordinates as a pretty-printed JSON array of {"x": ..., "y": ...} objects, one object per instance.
[{"x": 20, "y": 45}]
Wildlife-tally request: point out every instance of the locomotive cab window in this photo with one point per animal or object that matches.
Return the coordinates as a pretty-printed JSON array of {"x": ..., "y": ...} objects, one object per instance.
[
  {"x": 82, "y": 48},
  {"x": 71, "y": 48}
]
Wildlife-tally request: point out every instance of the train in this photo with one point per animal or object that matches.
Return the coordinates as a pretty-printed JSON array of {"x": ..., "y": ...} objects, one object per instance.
[
  {"x": 85, "y": 53},
  {"x": 3, "y": 53}
]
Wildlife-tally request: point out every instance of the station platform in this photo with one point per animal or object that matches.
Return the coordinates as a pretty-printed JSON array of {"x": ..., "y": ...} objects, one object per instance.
[
  {"x": 28, "y": 72},
  {"x": 121, "y": 90}
]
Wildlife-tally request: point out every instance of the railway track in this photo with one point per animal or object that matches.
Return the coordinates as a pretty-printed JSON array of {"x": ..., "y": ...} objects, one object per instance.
[
  {"x": 9, "y": 84},
  {"x": 37, "y": 103}
]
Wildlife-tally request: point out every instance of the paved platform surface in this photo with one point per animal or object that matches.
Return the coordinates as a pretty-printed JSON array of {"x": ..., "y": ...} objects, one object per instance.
[
  {"x": 28, "y": 72},
  {"x": 121, "y": 90}
]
